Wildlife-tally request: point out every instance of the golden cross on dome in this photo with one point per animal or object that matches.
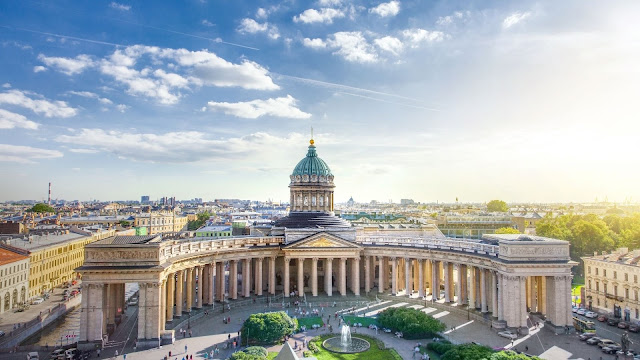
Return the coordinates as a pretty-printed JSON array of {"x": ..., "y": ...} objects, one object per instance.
[{"x": 311, "y": 141}]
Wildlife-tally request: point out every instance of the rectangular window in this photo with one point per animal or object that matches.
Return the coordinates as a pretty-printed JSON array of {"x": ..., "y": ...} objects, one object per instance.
[
  {"x": 597, "y": 286},
  {"x": 626, "y": 293},
  {"x": 615, "y": 274},
  {"x": 635, "y": 279},
  {"x": 597, "y": 271},
  {"x": 589, "y": 269},
  {"x": 604, "y": 272},
  {"x": 626, "y": 277},
  {"x": 615, "y": 291},
  {"x": 589, "y": 284}
]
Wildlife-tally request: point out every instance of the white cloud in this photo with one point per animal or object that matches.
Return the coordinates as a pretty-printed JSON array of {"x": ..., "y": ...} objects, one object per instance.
[
  {"x": 325, "y": 15},
  {"x": 455, "y": 17},
  {"x": 39, "y": 106},
  {"x": 263, "y": 13},
  {"x": 128, "y": 67},
  {"x": 352, "y": 46},
  {"x": 329, "y": 2},
  {"x": 37, "y": 69},
  {"x": 391, "y": 8},
  {"x": 122, "y": 107},
  {"x": 278, "y": 107},
  {"x": 115, "y": 5},
  {"x": 314, "y": 43},
  {"x": 10, "y": 120},
  {"x": 514, "y": 18},
  {"x": 6, "y": 85},
  {"x": 250, "y": 26},
  {"x": 390, "y": 44},
  {"x": 90, "y": 95},
  {"x": 417, "y": 36},
  {"x": 69, "y": 66},
  {"x": 174, "y": 147},
  {"x": 206, "y": 22},
  {"x": 84, "y": 151},
  {"x": 26, "y": 154}
]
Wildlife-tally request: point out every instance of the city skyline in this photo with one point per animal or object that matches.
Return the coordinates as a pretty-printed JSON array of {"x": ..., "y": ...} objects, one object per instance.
[{"x": 524, "y": 102}]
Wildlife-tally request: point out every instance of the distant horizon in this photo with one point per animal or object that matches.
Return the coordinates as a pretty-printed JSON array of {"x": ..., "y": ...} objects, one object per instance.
[{"x": 533, "y": 101}]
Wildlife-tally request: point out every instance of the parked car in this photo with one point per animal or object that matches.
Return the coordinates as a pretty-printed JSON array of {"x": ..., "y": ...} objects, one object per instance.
[
  {"x": 1, "y": 333},
  {"x": 581, "y": 311},
  {"x": 37, "y": 301},
  {"x": 634, "y": 328},
  {"x": 132, "y": 302},
  {"x": 586, "y": 336},
  {"x": 33, "y": 356},
  {"x": 623, "y": 325},
  {"x": 594, "y": 340},
  {"x": 611, "y": 349},
  {"x": 574, "y": 309},
  {"x": 591, "y": 314},
  {"x": 71, "y": 353},
  {"x": 613, "y": 321},
  {"x": 508, "y": 334},
  {"x": 606, "y": 342},
  {"x": 603, "y": 318},
  {"x": 57, "y": 354}
]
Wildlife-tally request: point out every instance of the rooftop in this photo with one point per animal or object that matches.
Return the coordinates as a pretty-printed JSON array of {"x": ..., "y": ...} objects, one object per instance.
[{"x": 7, "y": 257}]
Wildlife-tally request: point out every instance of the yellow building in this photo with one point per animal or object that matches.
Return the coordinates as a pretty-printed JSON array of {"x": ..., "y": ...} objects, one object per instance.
[
  {"x": 161, "y": 222},
  {"x": 612, "y": 283},
  {"x": 55, "y": 256}
]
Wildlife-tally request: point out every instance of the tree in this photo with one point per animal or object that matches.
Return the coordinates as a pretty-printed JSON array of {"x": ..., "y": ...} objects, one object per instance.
[
  {"x": 202, "y": 219},
  {"x": 42, "y": 208},
  {"x": 250, "y": 353},
  {"x": 267, "y": 328},
  {"x": 507, "y": 230},
  {"x": 413, "y": 324},
  {"x": 497, "y": 206},
  {"x": 125, "y": 223},
  {"x": 468, "y": 352}
]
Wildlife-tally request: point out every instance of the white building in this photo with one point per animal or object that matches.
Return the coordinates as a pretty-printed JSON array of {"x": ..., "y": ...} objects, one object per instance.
[{"x": 14, "y": 277}]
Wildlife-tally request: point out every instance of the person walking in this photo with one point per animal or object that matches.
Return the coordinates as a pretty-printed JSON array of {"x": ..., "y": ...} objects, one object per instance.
[{"x": 185, "y": 349}]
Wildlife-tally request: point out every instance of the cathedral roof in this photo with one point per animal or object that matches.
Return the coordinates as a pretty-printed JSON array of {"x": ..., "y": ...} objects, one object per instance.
[{"x": 312, "y": 164}]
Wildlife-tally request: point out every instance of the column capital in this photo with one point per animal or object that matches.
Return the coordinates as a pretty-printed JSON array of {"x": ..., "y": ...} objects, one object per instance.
[
  {"x": 407, "y": 259},
  {"x": 260, "y": 258},
  {"x": 287, "y": 260},
  {"x": 314, "y": 259},
  {"x": 272, "y": 258}
]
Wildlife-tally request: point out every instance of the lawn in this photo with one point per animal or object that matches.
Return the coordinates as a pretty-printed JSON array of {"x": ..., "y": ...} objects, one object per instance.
[
  {"x": 272, "y": 355},
  {"x": 375, "y": 352},
  {"x": 309, "y": 321},
  {"x": 432, "y": 354},
  {"x": 365, "y": 321}
]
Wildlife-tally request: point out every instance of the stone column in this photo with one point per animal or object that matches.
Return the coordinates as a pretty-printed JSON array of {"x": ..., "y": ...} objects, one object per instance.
[
  {"x": 221, "y": 287},
  {"x": 149, "y": 315},
  {"x": 420, "y": 278},
  {"x": 204, "y": 284},
  {"x": 367, "y": 274},
  {"x": 300, "y": 276},
  {"x": 211, "y": 290},
  {"x": 483, "y": 289},
  {"x": 416, "y": 280},
  {"x": 529, "y": 292},
  {"x": 190, "y": 287},
  {"x": 259, "y": 280},
  {"x": 394, "y": 276},
  {"x": 472, "y": 287},
  {"x": 408, "y": 283},
  {"x": 171, "y": 280},
  {"x": 314, "y": 276},
  {"x": 447, "y": 292},
  {"x": 494, "y": 294},
  {"x": 435, "y": 281},
  {"x": 179, "y": 292},
  {"x": 91, "y": 316},
  {"x": 501, "y": 282},
  {"x": 233, "y": 279},
  {"x": 328, "y": 276},
  {"x": 343, "y": 276},
  {"x": 163, "y": 304},
  {"x": 272, "y": 275},
  {"x": 542, "y": 285},
  {"x": 287, "y": 288},
  {"x": 200, "y": 287},
  {"x": 246, "y": 277},
  {"x": 381, "y": 274},
  {"x": 459, "y": 285},
  {"x": 356, "y": 276},
  {"x": 522, "y": 319}
]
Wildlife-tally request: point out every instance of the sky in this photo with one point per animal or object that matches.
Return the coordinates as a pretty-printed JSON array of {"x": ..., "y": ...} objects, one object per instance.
[{"x": 524, "y": 101}]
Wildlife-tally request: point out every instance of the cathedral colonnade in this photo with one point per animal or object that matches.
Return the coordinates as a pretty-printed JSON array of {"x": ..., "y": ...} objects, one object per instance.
[{"x": 176, "y": 277}]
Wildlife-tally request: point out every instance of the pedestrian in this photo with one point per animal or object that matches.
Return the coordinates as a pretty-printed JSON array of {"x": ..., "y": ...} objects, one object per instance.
[
  {"x": 124, "y": 356},
  {"x": 169, "y": 353},
  {"x": 526, "y": 348},
  {"x": 185, "y": 349},
  {"x": 116, "y": 353},
  {"x": 190, "y": 333},
  {"x": 98, "y": 352},
  {"x": 229, "y": 336}
]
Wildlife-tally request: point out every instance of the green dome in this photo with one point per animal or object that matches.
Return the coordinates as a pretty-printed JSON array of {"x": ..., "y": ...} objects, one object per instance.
[{"x": 312, "y": 165}]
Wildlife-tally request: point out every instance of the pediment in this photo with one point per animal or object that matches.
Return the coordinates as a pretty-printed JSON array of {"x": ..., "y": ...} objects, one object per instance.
[{"x": 322, "y": 240}]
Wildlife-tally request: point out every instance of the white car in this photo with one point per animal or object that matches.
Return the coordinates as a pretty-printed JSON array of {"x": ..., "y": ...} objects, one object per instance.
[
  {"x": 574, "y": 309},
  {"x": 591, "y": 314},
  {"x": 33, "y": 356},
  {"x": 581, "y": 311},
  {"x": 37, "y": 301},
  {"x": 508, "y": 334}
]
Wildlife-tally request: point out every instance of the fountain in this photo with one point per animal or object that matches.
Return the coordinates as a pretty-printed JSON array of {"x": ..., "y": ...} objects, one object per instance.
[{"x": 345, "y": 343}]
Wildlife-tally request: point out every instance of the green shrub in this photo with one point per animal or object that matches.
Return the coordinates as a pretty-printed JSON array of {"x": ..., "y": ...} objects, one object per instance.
[
  {"x": 467, "y": 352},
  {"x": 256, "y": 350},
  {"x": 306, "y": 353},
  {"x": 511, "y": 355},
  {"x": 414, "y": 324},
  {"x": 313, "y": 347},
  {"x": 440, "y": 347},
  {"x": 241, "y": 355},
  {"x": 267, "y": 328}
]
